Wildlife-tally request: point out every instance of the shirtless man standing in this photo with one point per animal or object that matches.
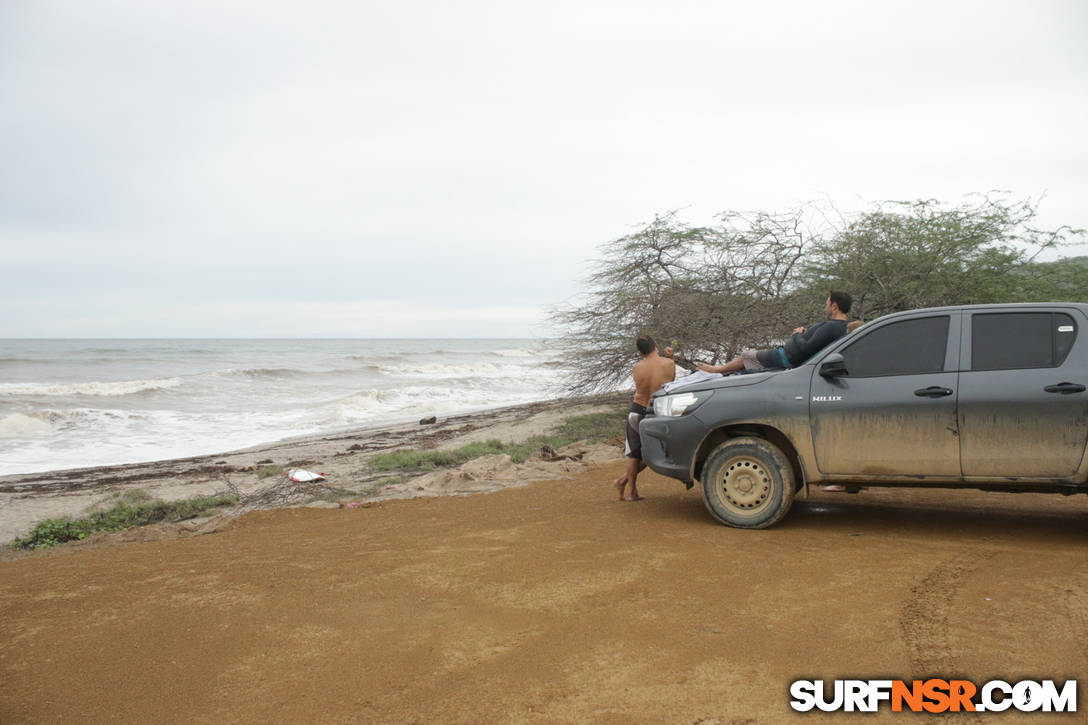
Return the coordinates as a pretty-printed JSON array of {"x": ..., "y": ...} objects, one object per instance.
[{"x": 650, "y": 373}]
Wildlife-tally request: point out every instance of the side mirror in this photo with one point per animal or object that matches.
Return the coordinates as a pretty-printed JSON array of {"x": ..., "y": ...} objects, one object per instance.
[{"x": 833, "y": 366}]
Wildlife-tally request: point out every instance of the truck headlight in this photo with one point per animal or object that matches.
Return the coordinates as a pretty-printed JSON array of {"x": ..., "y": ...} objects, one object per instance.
[{"x": 680, "y": 403}]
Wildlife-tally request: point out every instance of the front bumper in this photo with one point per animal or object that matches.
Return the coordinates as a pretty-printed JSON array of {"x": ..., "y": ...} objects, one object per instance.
[{"x": 669, "y": 444}]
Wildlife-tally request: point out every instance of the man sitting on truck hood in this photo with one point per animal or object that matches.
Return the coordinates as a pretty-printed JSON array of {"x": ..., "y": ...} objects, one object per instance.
[{"x": 801, "y": 345}]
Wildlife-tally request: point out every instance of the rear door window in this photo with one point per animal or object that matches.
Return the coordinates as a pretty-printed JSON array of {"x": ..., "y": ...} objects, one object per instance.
[
  {"x": 1017, "y": 340},
  {"x": 902, "y": 348}
]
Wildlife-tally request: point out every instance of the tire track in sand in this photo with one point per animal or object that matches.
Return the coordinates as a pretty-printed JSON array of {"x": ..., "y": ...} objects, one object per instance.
[
  {"x": 923, "y": 621},
  {"x": 1078, "y": 619}
]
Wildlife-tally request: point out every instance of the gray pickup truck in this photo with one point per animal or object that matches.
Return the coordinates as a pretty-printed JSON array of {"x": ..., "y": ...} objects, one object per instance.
[{"x": 980, "y": 396}]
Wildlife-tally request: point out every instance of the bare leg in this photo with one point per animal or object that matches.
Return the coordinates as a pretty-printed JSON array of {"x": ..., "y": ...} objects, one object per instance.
[
  {"x": 734, "y": 365},
  {"x": 630, "y": 479},
  {"x": 621, "y": 483}
]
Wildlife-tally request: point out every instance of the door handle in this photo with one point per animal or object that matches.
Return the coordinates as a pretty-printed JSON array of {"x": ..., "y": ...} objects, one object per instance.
[
  {"x": 933, "y": 391},
  {"x": 1065, "y": 388}
]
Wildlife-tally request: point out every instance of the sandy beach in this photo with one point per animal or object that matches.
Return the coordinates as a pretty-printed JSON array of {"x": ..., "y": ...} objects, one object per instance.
[
  {"x": 542, "y": 601},
  {"x": 28, "y": 498}
]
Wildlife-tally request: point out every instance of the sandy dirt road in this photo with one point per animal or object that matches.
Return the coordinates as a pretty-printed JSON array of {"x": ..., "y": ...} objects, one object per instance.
[{"x": 549, "y": 604}]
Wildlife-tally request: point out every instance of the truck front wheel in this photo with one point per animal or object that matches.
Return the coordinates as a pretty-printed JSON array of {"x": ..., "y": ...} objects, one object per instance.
[{"x": 747, "y": 483}]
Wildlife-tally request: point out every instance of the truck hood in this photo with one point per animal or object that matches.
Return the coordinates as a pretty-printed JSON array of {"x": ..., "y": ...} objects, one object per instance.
[{"x": 729, "y": 381}]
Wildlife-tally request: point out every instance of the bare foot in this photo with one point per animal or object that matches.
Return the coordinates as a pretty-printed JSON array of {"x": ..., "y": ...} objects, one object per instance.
[
  {"x": 633, "y": 497},
  {"x": 620, "y": 484}
]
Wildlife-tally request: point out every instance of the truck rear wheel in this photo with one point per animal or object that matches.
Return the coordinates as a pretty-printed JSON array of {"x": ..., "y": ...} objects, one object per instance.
[{"x": 747, "y": 483}]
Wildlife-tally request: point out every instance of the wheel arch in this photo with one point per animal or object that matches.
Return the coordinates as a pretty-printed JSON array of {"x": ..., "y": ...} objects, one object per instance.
[{"x": 766, "y": 432}]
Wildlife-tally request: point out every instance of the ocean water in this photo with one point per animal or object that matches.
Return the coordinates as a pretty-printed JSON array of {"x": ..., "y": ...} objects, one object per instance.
[{"x": 75, "y": 403}]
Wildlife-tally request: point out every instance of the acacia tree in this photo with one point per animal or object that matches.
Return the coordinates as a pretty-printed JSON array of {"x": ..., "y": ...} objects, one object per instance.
[
  {"x": 906, "y": 255},
  {"x": 749, "y": 279},
  {"x": 707, "y": 291}
]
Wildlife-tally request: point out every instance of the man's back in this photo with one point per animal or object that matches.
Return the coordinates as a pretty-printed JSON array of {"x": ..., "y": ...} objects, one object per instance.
[{"x": 650, "y": 374}]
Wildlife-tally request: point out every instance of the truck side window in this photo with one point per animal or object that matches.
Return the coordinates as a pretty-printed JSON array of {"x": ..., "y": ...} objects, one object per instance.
[
  {"x": 901, "y": 348},
  {"x": 1014, "y": 340}
]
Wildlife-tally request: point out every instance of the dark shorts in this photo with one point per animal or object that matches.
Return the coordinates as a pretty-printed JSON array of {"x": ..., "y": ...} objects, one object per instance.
[
  {"x": 633, "y": 449},
  {"x": 772, "y": 359}
]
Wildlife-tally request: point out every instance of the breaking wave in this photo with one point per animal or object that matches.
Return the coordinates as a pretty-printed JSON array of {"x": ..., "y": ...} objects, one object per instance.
[
  {"x": 512, "y": 353},
  {"x": 95, "y": 388},
  {"x": 367, "y": 399},
  {"x": 18, "y": 425},
  {"x": 262, "y": 373},
  {"x": 471, "y": 370},
  {"x": 46, "y": 422},
  {"x": 65, "y": 405}
]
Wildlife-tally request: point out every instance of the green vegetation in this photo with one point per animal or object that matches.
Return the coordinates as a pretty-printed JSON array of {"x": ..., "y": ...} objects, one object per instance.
[
  {"x": 334, "y": 493},
  {"x": 124, "y": 510},
  {"x": 750, "y": 278},
  {"x": 594, "y": 428},
  {"x": 268, "y": 471},
  {"x": 908, "y": 255},
  {"x": 375, "y": 488}
]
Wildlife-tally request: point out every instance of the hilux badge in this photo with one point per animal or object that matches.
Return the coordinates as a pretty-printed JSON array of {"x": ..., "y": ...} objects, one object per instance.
[{"x": 825, "y": 398}]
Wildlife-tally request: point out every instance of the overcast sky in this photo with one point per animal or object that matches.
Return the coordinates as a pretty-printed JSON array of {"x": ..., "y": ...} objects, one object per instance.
[{"x": 416, "y": 169}]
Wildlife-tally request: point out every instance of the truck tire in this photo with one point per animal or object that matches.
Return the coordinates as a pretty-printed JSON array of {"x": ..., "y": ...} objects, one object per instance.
[{"x": 747, "y": 483}]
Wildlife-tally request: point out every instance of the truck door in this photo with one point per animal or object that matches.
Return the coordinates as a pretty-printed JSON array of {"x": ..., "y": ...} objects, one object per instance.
[
  {"x": 1023, "y": 405},
  {"x": 894, "y": 412}
]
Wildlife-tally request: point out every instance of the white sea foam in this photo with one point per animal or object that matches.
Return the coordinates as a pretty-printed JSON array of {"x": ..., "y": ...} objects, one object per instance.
[
  {"x": 366, "y": 400},
  {"x": 441, "y": 371},
  {"x": 354, "y": 409},
  {"x": 515, "y": 352},
  {"x": 18, "y": 425},
  {"x": 85, "y": 421},
  {"x": 227, "y": 394},
  {"x": 95, "y": 388},
  {"x": 258, "y": 373}
]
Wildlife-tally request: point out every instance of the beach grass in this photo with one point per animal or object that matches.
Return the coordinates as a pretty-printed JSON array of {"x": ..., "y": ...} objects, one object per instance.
[
  {"x": 594, "y": 428},
  {"x": 136, "y": 507},
  {"x": 130, "y": 508},
  {"x": 375, "y": 488},
  {"x": 334, "y": 493}
]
